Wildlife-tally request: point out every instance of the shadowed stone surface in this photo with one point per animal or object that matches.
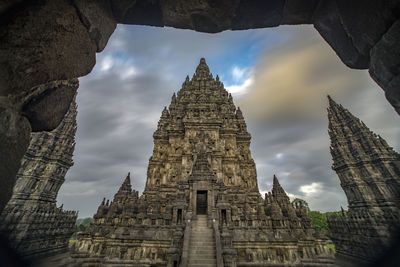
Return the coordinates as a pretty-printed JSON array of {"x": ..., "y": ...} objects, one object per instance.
[
  {"x": 262, "y": 13},
  {"x": 46, "y": 110},
  {"x": 43, "y": 41},
  {"x": 201, "y": 166},
  {"x": 367, "y": 29},
  {"x": 205, "y": 15},
  {"x": 98, "y": 19},
  {"x": 385, "y": 68},
  {"x": 298, "y": 11},
  {"x": 329, "y": 24},
  {"x": 14, "y": 140},
  {"x": 369, "y": 173}
]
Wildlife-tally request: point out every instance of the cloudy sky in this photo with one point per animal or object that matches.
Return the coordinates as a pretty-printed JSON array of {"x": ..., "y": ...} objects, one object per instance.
[{"x": 279, "y": 77}]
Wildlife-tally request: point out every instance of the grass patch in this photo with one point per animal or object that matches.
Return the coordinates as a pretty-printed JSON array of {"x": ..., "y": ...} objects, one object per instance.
[
  {"x": 331, "y": 246},
  {"x": 72, "y": 242}
]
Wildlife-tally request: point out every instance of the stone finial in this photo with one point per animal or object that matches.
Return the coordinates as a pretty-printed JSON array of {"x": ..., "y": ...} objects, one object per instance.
[
  {"x": 276, "y": 183},
  {"x": 202, "y": 70},
  {"x": 239, "y": 114},
  {"x": 165, "y": 113}
]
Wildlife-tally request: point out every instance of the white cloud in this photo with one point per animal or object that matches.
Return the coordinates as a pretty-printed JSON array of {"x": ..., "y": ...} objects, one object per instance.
[
  {"x": 106, "y": 63},
  {"x": 293, "y": 196},
  {"x": 240, "y": 89},
  {"x": 238, "y": 74},
  {"x": 128, "y": 72},
  {"x": 311, "y": 189}
]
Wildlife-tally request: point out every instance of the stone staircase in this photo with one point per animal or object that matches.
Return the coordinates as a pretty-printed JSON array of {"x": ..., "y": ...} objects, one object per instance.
[{"x": 202, "y": 244}]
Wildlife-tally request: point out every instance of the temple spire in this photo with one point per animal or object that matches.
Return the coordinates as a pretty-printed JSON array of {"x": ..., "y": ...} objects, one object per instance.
[
  {"x": 202, "y": 70},
  {"x": 276, "y": 186},
  {"x": 124, "y": 190},
  {"x": 127, "y": 180},
  {"x": 362, "y": 159},
  {"x": 278, "y": 193},
  {"x": 350, "y": 137}
]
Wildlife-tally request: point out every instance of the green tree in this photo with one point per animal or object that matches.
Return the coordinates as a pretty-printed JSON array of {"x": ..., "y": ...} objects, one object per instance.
[
  {"x": 318, "y": 220},
  {"x": 84, "y": 221}
]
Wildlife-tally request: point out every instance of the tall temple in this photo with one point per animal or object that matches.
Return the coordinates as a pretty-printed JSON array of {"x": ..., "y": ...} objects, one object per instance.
[
  {"x": 201, "y": 205},
  {"x": 369, "y": 173},
  {"x": 35, "y": 226}
]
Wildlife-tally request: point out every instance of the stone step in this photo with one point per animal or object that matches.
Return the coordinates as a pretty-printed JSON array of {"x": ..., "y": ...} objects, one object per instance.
[
  {"x": 196, "y": 236},
  {"x": 201, "y": 241},
  {"x": 202, "y": 234},
  {"x": 202, "y": 253},
  {"x": 202, "y": 248},
  {"x": 202, "y": 256},
  {"x": 201, "y": 244},
  {"x": 203, "y": 261}
]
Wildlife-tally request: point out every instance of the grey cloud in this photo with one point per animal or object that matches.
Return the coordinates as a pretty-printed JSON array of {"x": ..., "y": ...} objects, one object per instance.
[{"x": 117, "y": 116}]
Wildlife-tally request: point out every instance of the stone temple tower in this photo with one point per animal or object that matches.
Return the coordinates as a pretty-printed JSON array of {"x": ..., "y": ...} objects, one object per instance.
[
  {"x": 201, "y": 204},
  {"x": 369, "y": 173},
  {"x": 31, "y": 220}
]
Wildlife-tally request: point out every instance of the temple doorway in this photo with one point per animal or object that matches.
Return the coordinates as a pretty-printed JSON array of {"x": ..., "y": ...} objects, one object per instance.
[{"x": 201, "y": 203}]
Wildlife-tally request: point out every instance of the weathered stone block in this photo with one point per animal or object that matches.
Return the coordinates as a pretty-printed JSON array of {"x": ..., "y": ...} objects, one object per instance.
[
  {"x": 5, "y": 5},
  {"x": 385, "y": 56},
  {"x": 258, "y": 14},
  {"x": 298, "y": 11},
  {"x": 385, "y": 67},
  {"x": 365, "y": 28},
  {"x": 203, "y": 15},
  {"x": 392, "y": 93},
  {"x": 44, "y": 41},
  {"x": 46, "y": 110},
  {"x": 98, "y": 19},
  {"x": 14, "y": 140},
  {"x": 143, "y": 12},
  {"x": 328, "y": 23}
]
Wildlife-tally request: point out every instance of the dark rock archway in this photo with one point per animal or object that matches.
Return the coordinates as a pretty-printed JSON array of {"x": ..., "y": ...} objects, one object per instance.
[{"x": 45, "y": 44}]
